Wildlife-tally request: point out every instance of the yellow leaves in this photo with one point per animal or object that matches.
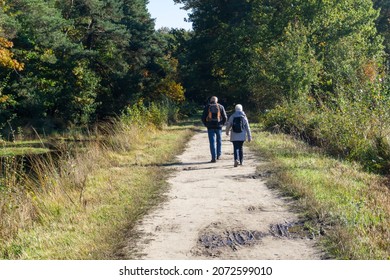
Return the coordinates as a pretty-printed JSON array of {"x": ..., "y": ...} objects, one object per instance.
[
  {"x": 48, "y": 56},
  {"x": 322, "y": 44},
  {"x": 6, "y": 56},
  {"x": 370, "y": 71},
  {"x": 3, "y": 5},
  {"x": 3, "y": 98},
  {"x": 172, "y": 90},
  {"x": 79, "y": 72},
  {"x": 219, "y": 73},
  {"x": 5, "y": 43},
  {"x": 82, "y": 100}
]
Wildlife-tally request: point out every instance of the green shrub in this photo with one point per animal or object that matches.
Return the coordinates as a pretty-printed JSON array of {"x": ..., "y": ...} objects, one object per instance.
[
  {"x": 157, "y": 114},
  {"x": 355, "y": 130},
  {"x": 136, "y": 115}
]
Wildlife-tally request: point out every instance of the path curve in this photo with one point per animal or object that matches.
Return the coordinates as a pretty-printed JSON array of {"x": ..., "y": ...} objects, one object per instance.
[{"x": 217, "y": 211}]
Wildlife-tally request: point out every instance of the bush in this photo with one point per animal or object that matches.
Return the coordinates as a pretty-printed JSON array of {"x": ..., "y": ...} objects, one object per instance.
[
  {"x": 355, "y": 130},
  {"x": 298, "y": 119},
  {"x": 156, "y": 114}
]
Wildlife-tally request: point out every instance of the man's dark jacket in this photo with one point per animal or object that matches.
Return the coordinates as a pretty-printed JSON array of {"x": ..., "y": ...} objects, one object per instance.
[{"x": 223, "y": 117}]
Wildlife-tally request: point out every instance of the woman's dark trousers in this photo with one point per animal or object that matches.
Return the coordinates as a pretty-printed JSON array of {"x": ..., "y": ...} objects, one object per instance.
[{"x": 238, "y": 150}]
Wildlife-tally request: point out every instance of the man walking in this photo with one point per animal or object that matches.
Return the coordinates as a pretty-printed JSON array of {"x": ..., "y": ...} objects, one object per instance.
[{"x": 214, "y": 117}]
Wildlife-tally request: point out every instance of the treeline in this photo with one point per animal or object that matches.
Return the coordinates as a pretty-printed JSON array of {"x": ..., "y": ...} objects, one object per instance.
[
  {"x": 316, "y": 69},
  {"x": 269, "y": 51},
  {"x": 72, "y": 63}
]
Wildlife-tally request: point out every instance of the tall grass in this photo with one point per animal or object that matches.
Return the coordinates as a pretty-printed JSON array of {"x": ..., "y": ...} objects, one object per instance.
[
  {"x": 76, "y": 204},
  {"x": 17, "y": 209},
  {"x": 349, "y": 207}
]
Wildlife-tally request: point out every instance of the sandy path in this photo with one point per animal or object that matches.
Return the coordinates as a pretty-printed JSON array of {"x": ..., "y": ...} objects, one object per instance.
[{"x": 214, "y": 210}]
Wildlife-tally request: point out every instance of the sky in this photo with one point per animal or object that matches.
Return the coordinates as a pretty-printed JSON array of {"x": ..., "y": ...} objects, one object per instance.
[{"x": 168, "y": 14}]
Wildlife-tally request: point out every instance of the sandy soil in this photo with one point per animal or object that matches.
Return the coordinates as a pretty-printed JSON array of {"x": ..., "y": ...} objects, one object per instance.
[{"x": 217, "y": 211}]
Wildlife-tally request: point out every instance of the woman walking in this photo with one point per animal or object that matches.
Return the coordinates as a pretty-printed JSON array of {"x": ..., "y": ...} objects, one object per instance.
[{"x": 238, "y": 128}]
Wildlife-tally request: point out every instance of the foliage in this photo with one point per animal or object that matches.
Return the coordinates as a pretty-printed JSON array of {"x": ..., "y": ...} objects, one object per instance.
[
  {"x": 383, "y": 22},
  {"x": 357, "y": 130},
  {"x": 82, "y": 61},
  {"x": 6, "y": 56},
  {"x": 157, "y": 114},
  {"x": 224, "y": 49},
  {"x": 261, "y": 52},
  {"x": 322, "y": 77}
]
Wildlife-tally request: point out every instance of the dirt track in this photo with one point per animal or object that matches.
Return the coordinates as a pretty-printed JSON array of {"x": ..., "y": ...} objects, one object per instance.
[{"x": 214, "y": 210}]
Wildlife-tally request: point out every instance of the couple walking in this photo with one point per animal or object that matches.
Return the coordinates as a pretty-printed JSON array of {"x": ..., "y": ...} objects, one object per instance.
[{"x": 214, "y": 118}]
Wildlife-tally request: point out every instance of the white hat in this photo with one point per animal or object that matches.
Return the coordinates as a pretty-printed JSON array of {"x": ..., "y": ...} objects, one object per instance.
[{"x": 238, "y": 107}]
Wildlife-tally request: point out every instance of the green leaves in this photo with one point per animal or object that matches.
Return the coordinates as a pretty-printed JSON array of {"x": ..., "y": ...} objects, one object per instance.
[
  {"x": 264, "y": 51},
  {"x": 84, "y": 59}
]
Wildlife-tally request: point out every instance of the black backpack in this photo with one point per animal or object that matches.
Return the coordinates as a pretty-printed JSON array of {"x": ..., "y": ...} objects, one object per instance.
[{"x": 238, "y": 124}]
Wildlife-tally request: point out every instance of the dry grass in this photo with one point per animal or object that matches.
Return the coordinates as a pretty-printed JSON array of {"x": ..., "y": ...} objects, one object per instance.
[
  {"x": 79, "y": 205},
  {"x": 350, "y": 206}
]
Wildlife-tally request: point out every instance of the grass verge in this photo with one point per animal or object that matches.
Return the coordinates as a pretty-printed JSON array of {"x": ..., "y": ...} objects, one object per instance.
[
  {"x": 22, "y": 148},
  {"x": 348, "y": 207},
  {"x": 81, "y": 208}
]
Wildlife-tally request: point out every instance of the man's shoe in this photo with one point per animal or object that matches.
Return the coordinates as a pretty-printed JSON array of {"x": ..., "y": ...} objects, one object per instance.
[
  {"x": 213, "y": 160},
  {"x": 218, "y": 157},
  {"x": 235, "y": 163}
]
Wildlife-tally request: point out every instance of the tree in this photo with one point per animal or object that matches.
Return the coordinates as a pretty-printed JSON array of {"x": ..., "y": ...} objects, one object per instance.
[
  {"x": 45, "y": 88},
  {"x": 265, "y": 51},
  {"x": 383, "y": 22},
  {"x": 229, "y": 47},
  {"x": 84, "y": 59},
  {"x": 8, "y": 63},
  {"x": 206, "y": 48}
]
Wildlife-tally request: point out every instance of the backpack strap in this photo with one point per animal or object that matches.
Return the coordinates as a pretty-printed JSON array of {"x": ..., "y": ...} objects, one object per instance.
[{"x": 209, "y": 115}]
